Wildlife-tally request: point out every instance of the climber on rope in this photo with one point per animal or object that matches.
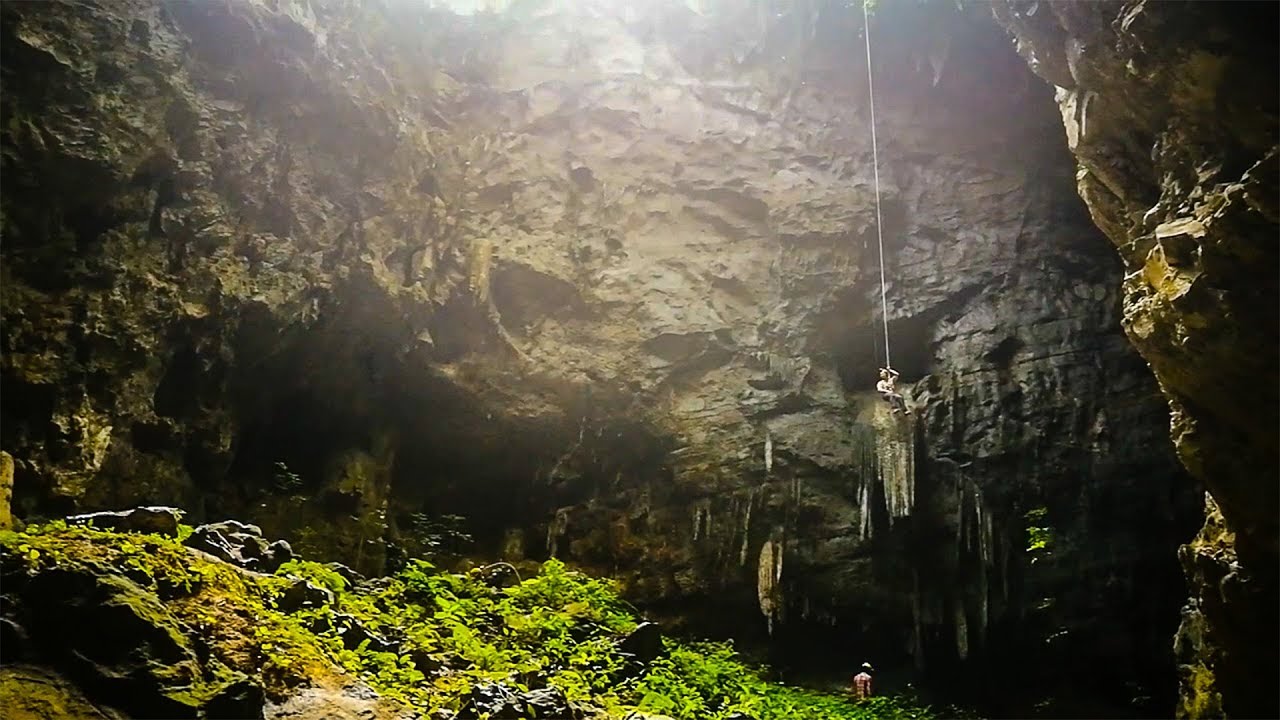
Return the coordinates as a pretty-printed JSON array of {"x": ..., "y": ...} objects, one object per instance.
[{"x": 886, "y": 388}]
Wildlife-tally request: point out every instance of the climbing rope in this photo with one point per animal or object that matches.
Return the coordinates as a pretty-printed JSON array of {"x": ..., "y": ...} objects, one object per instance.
[{"x": 875, "y": 164}]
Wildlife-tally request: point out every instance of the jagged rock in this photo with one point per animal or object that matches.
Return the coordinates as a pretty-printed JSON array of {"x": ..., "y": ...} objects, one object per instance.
[
  {"x": 242, "y": 699},
  {"x": 353, "y": 702},
  {"x": 352, "y": 577},
  {"x": 303, "y": 594},
  {"x": 425, "y": 662},
  {"x": 1173, "y": 115},
  {"x": 30, "y": 693},
  {"x": 644, "y": 644},
  {"x": 493, "y": 700},
  {"x": 242, "y": 545},
  {"x": 498, "y": 575},
  {"x": 233, "y": 527},
  {"x": 109, "y": 634},
  {"x": 549, "y": 702},
  {"x": 161, "y": 520},
  {"x": 13, "y": 640},
  {"x": 354, "y": 633}
]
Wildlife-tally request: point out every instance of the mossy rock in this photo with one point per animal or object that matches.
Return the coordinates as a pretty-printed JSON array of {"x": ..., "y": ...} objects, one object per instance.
[
  {"x": 145, "y": 625},
  {"x": 31, "y": 693}
]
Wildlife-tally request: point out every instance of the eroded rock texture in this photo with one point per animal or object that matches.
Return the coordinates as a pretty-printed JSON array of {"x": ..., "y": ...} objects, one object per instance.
[
  {"x": 1171, "y": 112},
  {"x": 603, "y": 281}
]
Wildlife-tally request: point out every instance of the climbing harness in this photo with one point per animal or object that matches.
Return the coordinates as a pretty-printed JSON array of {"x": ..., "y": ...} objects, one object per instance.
[{"x": 875, "y": 164}]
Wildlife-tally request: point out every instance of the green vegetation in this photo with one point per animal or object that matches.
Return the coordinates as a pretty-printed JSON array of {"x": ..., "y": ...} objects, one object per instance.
[
  {"x": 1039, "y": 539},
  {"x": 425, "y": 638}
]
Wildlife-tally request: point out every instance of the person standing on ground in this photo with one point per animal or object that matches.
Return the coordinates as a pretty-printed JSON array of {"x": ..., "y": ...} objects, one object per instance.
[{"x": 862, "y": 682}]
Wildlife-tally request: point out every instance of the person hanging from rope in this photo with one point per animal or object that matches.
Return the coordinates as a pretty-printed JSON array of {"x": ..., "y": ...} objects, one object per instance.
[
  {"x": 888, "y": 376},
  {"x": 888, "y": 390}
]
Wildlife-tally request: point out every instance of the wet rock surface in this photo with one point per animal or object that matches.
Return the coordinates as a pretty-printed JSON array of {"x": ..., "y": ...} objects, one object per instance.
[
  {"x": 1172, "y": 116},
  {"x": 617, "y": 303}
]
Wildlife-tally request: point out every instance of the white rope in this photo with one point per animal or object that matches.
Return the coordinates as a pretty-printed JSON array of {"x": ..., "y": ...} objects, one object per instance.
[{"x": 875, "y": 164}]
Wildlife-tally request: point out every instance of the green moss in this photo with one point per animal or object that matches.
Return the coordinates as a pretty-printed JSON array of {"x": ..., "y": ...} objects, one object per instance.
[
  {"x": 452, "y": 633},
  {"x": 33, "y": 694},
  {"x": 1199, "y": 696}
]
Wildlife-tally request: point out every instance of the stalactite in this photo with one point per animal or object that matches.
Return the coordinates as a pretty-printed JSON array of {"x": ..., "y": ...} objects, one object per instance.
[
  {"x": 983, "y": 605},
  {"x": 746, "y": 529},
  {"x": 864, "y": 503},
  {"x": 702, "y": 520},
  {"x": 768, "y": 452},
  {"x": 765, "y": 583},
  {"x": 962, "y": 632},
  {"x": 895, "y": 457},
  {"x": 866, "y": 473},
  {"x": 556, "y": 528}
]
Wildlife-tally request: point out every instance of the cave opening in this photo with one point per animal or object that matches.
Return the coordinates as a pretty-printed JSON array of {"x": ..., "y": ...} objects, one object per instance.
[{"x": 408, "y": 344}]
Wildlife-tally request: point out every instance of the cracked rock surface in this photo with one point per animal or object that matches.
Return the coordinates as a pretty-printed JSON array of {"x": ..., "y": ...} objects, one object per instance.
[{"x": 1173, "y": 117}]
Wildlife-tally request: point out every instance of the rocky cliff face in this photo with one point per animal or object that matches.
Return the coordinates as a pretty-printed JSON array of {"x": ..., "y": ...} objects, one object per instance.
[
  {"x": 1172, "y": 113},
  {"x": 605, "y": 283}
]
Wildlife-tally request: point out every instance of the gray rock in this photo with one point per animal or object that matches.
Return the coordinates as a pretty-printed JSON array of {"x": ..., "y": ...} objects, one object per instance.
[
  {"x": 303, "y": 594},
  {"x": 354, "y": 633},
  {"x": 154, "y": 519},
  {"x": 241, "y": 545},
  {"x": 243, "y": 699},
  {"x": 549, "y": 702},
  {"x": 493, "y": 700}
]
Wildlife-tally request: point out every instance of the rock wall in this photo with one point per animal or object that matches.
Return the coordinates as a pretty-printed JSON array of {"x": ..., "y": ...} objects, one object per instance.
[
  {"x": 604, "y": 282},
  {"x": 1172, "y": 114}
]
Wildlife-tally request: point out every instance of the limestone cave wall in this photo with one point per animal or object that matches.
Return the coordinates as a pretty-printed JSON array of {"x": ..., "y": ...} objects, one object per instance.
[
  {"x": 603, "y": 282},
  {"x": 1173, "y": 114}
]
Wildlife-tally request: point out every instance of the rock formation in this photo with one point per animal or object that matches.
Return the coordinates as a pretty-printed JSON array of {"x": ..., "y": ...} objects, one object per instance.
[
  {"x": 607, "y": 277},
  {"x": 1173, "y": 114}
]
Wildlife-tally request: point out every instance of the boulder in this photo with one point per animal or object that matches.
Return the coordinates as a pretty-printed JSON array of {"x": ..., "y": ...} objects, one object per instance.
[
  {"x": 154, "y": 519},
  {"x": 353, "y": 633},
  {"x": 493, "y": 700},
  {"x": 242, "y": 545},
  {"x": 242, "y": 699},
  {"x": 110, "y": 634},
  {"x": 644, "y": 644},
  {"x": 549, "y": 702},
  {"x": 351, "y": 576},
  {"x": 303, "y": 594},
  {"x": 30, "y": 693},
  {"x": 425, "y": 662}
]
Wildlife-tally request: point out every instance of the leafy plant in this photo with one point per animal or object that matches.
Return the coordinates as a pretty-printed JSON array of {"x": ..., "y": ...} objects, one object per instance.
[
  {"x": 438, "y": 535},
  {"x": 429, "y": 638},
  {"x": 1039, "y": 539}
]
